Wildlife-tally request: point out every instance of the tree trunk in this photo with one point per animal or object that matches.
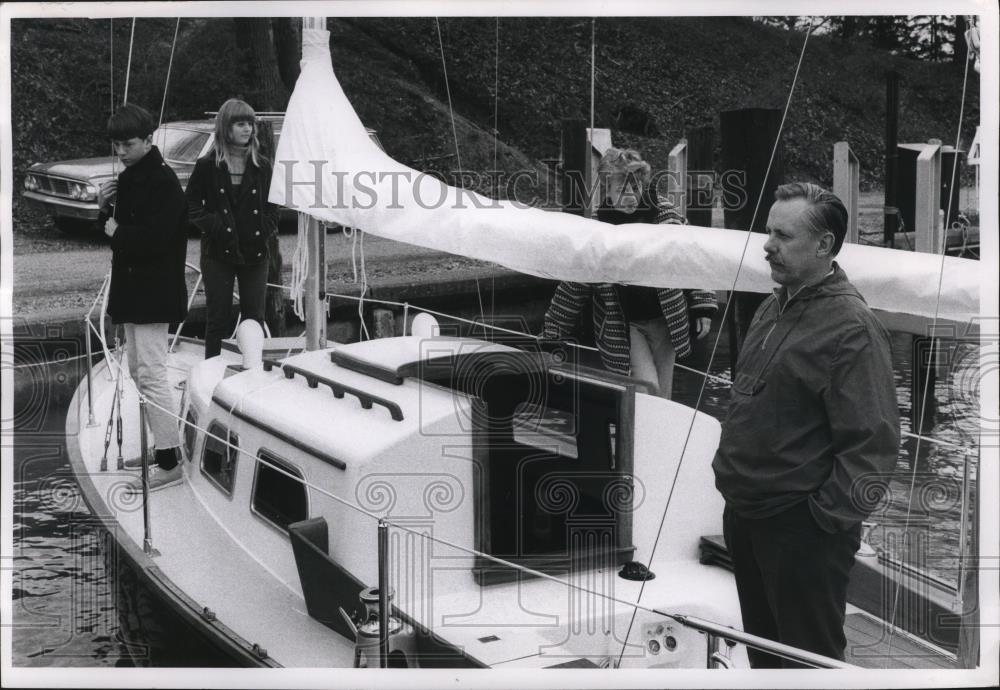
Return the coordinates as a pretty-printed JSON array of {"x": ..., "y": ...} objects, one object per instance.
[
  {"x": 288, "y": 47},
  {"x": 959, "y": 49},
  {"x": 848, "y": 28},
  {"x": 265, "y": 92}
]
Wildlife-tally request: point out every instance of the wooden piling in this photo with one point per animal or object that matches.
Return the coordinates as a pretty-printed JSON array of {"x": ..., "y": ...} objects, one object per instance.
[
  {"x": 575, "y": 151},
  {"x": 891, "y": 212},
  {"x": 748, "y": 137},
  {"x": 701, "y": 176}
]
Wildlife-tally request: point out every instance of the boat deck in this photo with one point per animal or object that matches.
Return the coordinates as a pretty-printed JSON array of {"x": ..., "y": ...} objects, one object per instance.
[
  {"x": 214, "y": 569},
  {"x": 870, "y": 645},
  {"x": 206, "y": 563}
]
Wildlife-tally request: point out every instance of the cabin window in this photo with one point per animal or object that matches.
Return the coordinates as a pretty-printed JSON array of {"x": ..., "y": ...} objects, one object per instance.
[
  {"x": 219, "y": 460},
  {"x": 277, "y": 497},
  {"x": 190, "y": 432}
]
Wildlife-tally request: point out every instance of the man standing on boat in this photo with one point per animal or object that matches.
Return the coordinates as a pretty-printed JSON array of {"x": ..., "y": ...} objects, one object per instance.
[
  {"x": 812, "y": 413},
  {"x": 148, "y": 232}
]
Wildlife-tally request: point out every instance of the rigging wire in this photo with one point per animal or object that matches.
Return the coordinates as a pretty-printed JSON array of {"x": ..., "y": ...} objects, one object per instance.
[
  {"x": 458, "y": 153},
  {"x": 111, "y": 48},
  {"x": 715, "y": 345},
  {"x": 589, "y": 158},
  {"x": 128, "y": 67},
  {"x": 170, "y": 65},
  {"x": 496, "y": 147},
  {"x": 923, "y": 403}
]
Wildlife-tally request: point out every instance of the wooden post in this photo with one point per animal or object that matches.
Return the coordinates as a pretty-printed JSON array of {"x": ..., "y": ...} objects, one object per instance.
[
  {"x": 891, "y": 212},
  {"x": 677, "y": 169},
  {"x": 748, "y": 138},
  {"x": 928, "y": 237},
  {"x": 923, "y": 411},
  {"x": 927, "y": 226},
  {"x": 846, "y": 185},
  {"x": 701, "y": 176},
  {"x": 574, "y": 166}
]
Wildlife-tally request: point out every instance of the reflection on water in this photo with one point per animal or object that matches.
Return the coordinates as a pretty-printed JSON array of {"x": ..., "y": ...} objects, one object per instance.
[
  {"x": 64, "y": 612},
  {"x": 63, "y": 605}
]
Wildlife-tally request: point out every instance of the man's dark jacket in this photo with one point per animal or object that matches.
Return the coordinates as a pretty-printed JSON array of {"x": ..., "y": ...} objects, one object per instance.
[
  {"x": 150, "y": 245},
  {"x": 813, "y": 413},
  {"x": 235, "y": 221}
]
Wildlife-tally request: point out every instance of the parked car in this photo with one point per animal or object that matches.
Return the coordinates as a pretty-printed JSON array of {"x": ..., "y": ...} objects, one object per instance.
[{"x": 74, "y": 192}]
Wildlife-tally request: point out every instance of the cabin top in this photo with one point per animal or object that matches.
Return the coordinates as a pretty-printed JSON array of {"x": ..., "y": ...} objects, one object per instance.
[{"x": 394, "y": 359}]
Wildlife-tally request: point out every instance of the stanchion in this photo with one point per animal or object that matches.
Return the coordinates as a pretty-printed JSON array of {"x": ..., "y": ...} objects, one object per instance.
[
  {"x": 383, "y": 594},
  {"x": 91, "y": 422},
  {"x": 147, "y": 532}
]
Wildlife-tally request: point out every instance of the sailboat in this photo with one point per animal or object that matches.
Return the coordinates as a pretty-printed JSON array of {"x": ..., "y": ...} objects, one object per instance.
[{"x": 426, "y": 501}]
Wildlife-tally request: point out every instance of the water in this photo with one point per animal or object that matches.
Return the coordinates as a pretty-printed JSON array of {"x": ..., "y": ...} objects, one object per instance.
[{"x": 64, "y": 612}]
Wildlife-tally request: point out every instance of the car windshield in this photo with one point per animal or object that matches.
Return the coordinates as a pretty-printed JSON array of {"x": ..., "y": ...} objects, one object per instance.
[{"x": 182, "y": 145}]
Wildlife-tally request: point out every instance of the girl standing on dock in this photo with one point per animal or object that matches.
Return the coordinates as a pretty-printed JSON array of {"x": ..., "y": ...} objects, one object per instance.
[{"x": 227, "y": 202}]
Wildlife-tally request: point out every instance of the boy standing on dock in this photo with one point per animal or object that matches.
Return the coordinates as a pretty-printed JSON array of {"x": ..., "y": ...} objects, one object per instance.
[
  {"x": 148, "y": 232},
  {"x": 812, "y": 419}
]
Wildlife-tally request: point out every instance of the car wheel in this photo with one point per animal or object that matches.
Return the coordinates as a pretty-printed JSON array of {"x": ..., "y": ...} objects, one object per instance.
[{"x": 76, "y": 226}]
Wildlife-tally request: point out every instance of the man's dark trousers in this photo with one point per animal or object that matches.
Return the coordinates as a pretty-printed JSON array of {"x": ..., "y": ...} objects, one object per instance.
[{"x": 792, "y": 579}]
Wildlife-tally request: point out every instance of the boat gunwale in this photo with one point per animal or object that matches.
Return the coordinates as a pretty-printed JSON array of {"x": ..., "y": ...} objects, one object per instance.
[{"x": 230, "y": 642}]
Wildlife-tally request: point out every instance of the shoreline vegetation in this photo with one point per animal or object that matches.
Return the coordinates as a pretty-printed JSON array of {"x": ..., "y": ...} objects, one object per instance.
[{"x": 656, "y": 79}]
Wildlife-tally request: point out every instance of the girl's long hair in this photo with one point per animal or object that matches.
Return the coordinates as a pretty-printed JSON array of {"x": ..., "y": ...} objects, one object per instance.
[{"x": 235, "y": 110}]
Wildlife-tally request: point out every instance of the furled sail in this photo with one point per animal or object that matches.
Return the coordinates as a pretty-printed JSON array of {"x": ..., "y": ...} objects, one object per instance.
[{"x": 328, "y": 167}]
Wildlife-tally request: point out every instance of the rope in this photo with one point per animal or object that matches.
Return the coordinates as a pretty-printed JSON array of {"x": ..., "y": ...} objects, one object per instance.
[
  {"x": 300, "y": 268},
  {"x": 170, "y": 66},
  {"x": 923, "y": 402},
  {"x": 128, "y": 67},
  {"x": 715, "y": 345},
  {"x": 363, "y": 330}
]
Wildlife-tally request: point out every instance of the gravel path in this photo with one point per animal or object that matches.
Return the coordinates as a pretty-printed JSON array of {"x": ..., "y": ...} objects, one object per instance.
[{"x": 49, "y": 281}]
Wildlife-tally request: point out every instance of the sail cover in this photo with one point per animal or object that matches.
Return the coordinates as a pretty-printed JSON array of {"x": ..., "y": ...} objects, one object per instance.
[{"x": 328, "y": 167}]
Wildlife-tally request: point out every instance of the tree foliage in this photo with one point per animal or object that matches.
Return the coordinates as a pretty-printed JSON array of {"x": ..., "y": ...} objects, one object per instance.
[{"x": 931, "y": 37}]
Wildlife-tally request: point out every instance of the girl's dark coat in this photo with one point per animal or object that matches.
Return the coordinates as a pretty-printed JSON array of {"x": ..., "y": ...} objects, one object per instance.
[{"x": 235, "y": 222}]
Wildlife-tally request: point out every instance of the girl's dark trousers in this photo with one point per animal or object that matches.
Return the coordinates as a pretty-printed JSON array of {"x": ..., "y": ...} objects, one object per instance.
[{"x": 218, "y": 277}]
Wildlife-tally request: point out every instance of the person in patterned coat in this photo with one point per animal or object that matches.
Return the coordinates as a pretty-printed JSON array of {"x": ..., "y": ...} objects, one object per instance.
[{"x": 639, "y": 331}]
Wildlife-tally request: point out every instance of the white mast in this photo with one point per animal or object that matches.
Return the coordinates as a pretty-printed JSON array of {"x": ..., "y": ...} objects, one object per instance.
[{"x": 314, "y": 298}]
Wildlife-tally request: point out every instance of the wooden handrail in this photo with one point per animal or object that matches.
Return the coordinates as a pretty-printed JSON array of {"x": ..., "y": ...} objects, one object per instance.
[{"x": 338, "y": 389}]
